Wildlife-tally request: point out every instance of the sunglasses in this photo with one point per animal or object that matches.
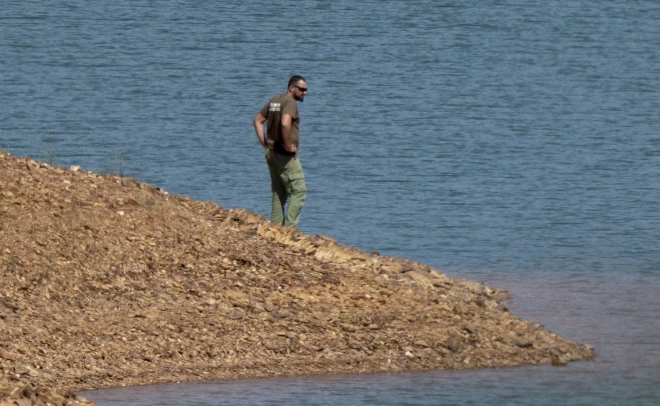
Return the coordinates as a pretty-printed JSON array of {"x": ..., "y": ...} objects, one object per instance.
[{"x": 302, "y": 89}]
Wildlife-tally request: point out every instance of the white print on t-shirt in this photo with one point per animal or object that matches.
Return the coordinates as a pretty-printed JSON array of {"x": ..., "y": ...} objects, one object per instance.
[{"x": 275, "y": 107}]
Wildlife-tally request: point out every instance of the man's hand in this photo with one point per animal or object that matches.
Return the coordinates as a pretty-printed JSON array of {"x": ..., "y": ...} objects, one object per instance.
[{"x": 259, "y": 121}]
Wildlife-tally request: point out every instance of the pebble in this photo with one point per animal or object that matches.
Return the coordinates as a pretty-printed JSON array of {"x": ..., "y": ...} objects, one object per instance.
[
  {"x": 268, "y": 306},
  {"x": 454, "y": 344}
]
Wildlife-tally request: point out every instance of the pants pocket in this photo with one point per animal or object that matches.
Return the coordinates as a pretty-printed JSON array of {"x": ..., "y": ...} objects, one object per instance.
[{"x": 296, "y": 183}]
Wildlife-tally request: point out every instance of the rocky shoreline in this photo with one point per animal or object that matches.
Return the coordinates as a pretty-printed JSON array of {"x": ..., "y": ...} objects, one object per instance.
[{"x": 107, "y": 282}]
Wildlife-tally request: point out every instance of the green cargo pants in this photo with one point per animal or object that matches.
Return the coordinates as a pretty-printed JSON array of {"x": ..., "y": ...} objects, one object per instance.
[{"x": 287, "y": 183}]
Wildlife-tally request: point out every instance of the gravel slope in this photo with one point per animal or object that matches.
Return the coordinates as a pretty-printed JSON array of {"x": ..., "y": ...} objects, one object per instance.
[{"x": 105, "y": 282}]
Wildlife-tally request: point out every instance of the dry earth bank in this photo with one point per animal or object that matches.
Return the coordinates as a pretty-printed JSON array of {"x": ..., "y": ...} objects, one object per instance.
[{"x": 106, "y": 282}]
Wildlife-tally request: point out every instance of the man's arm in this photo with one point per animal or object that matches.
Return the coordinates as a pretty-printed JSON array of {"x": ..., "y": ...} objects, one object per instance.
[
  {"x": 259, "y": 121},
  {"x": 286, "y": 122}
]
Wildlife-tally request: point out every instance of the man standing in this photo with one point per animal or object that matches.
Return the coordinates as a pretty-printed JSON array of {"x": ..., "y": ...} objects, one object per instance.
[{"x": 282, "y": 142}]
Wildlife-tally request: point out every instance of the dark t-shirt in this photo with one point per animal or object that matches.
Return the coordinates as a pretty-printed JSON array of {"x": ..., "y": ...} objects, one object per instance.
[{"x": 273, "y": 111}]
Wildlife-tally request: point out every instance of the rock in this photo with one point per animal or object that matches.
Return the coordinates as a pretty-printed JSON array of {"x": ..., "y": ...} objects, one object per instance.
[
  {"x": 481, "y": 301},
  {"x": 348, "y": 328},
  {"x": 417, "y": 275},
  {"x": 268, "y": 306},
  {"x": 392, "y": 268},
  {"x": 129, "y": 182},
  {"x": 237, "y": 298},
  {"x": 500, "y": 295},
  {"x": 460, "y": 308},
  {"x": 28, "y": 391},
  {"x": 50, "y": 397},
  {"x": 475, "y": 287},
  {"x": 522, "y": 343},
  {"x": 332, "y": 279},
  {"x": 23, "y": 370},
  {"x": 236, "y": 314},
  {"x": 454, "y": 344},
  {"x": 6, "y": 355},
  {"x": 470, "y": 328},
  {"x": 559, "y": 360}
]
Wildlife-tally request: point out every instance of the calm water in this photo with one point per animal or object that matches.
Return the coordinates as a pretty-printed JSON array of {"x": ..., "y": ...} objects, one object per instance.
[{"x": 512, "y": 142}]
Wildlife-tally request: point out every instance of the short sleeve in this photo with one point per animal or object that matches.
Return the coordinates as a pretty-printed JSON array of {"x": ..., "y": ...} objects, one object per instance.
[
  {"x": 289, "y": 107},
  {"x": 264, "y": 110}
]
